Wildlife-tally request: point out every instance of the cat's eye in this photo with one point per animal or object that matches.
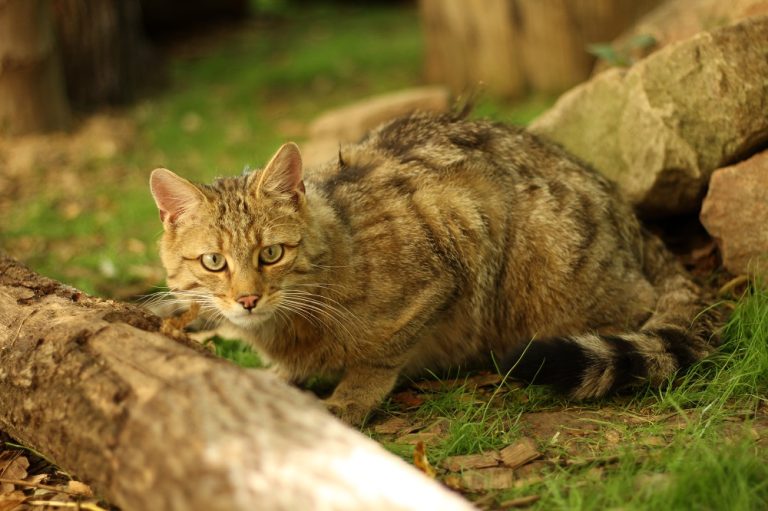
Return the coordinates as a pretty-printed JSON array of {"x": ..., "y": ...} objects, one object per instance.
[
  {"x": 271, "y": 254},
  {"x": 213, "y": 262}
]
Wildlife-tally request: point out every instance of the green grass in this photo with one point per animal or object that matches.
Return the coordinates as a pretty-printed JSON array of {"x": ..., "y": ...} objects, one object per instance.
[
  {"x": 737, "y": 375},
  {"x": 236, "y": 351},
  {"x": 700, "y": 444},
  {"x": 685, "y": 476}
]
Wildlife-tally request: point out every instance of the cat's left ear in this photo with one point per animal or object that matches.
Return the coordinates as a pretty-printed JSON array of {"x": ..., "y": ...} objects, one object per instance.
[{"x": 282, "y": 175}]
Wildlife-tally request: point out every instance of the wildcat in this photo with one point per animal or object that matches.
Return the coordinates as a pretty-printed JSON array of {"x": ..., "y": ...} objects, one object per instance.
[{"x": 432, "y": 243}]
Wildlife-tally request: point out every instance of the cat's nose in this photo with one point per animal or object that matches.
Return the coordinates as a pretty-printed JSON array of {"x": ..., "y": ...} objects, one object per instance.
[{"x": 248, "y": 301}]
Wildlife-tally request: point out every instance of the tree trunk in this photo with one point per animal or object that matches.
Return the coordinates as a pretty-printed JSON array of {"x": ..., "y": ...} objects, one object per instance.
[
  {"x": 32, "y": 95},
  {"x": 471, "y": 44},
  {"x": 554, "y": 35},
  {"x": 106, "y": 58},
  {"x": 516, "y": 45},
  {"x": 152, "y": 423}
]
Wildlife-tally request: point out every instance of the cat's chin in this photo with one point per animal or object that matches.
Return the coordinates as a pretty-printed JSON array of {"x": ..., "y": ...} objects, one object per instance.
[{"x": 249, "y": 320}]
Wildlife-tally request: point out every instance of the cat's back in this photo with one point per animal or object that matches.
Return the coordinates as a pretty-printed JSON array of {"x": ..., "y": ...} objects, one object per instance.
[{"x": 478, "y": 163}]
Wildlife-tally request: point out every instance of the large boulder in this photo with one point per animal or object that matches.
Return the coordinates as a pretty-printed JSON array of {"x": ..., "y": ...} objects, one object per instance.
[
  {"x": 735, "y": 213},
  {"x": 675, "y": 20},
  {"x": 661, "y": 127}
]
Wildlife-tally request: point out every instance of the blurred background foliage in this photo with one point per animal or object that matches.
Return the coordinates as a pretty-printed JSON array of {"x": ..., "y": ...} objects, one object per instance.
[{"x": 204, "y": 88}]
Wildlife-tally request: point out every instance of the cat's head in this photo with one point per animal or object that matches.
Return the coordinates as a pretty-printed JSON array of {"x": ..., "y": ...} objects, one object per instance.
[{"x": 235, "y": 246}]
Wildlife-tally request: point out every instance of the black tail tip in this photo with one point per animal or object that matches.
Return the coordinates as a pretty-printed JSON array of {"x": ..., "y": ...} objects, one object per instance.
[{"x": 559, "y": 363}]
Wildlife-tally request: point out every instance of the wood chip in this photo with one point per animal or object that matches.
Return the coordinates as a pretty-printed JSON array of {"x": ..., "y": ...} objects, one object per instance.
[
  {"x": 521, "y": 452},
  {"x": 394, "y": 425},
  {"x": 497, "y": 478},
  {"x": 470, "y": 461},
  {"x": 433, "y": 432}
]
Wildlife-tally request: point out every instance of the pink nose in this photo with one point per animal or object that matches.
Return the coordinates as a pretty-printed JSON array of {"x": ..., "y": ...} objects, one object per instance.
[{"x": 248, "y": 301}]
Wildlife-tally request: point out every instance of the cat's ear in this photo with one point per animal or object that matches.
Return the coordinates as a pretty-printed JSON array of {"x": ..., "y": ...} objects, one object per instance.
[
  {"x": 173, "y": 195},
  {"x": 283, "y": 173}
]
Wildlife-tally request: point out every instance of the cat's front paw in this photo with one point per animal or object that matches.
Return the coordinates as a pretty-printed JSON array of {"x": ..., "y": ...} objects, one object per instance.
[{"x": 351, "y": 412}]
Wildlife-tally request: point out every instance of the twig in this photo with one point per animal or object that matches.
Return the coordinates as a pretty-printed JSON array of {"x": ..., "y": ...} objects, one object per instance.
[
  {"x": 90, "y": 506},
  {"x": 19, "y": 482},
  {"x": 526, "y": 501},
  {"x": 598, "y": 461},
  {"x": 18, "y": 330}
]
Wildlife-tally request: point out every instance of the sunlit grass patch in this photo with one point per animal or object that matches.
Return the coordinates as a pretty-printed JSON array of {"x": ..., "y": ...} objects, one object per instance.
[{"x": 236, "y": 351}]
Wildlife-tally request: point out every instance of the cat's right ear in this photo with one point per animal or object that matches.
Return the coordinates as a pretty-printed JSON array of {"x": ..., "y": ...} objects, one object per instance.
[{"x": 173, "y": 195}]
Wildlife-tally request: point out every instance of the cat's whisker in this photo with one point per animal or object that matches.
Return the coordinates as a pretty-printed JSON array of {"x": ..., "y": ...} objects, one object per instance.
[
  {"x": 321, "y": 300},
  {"x": 309, "y": 306},
  {"x": 331, "y": 266},
  {"x": 327, "y": 310},
  {"x": 299, "y": 310}
]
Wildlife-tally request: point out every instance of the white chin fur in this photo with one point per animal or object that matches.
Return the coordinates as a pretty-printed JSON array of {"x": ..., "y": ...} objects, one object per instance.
[{"x": 246, "y": 320}]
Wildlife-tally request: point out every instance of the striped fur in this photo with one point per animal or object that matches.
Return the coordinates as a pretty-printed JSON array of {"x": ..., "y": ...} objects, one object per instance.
[{"x": 434, "y": 243}]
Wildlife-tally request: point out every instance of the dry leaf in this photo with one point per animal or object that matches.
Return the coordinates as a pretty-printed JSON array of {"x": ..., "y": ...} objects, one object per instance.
[
  {"x": 10, "y": 501},
  {"x": 421, "y": 462},
  {"x": 394, "y": 425},
  {"x": 78, "y": 488},
  {"x": 613, "y": 437},
  {"x": 408, "y": 399},
  {"x": 174, "y": 325},
  {"x": 453, "y": 481},
  {"x": 12, "y": 466},
  {"x": 469, "y": 461},
  {"x": 521, "y": 452}
]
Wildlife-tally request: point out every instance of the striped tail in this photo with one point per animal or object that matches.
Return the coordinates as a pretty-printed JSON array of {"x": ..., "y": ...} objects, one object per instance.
[{"x": 682, "y": 331}]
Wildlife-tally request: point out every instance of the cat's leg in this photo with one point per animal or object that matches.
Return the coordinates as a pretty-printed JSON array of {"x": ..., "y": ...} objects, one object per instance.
[{"x": 361, "y": 389}]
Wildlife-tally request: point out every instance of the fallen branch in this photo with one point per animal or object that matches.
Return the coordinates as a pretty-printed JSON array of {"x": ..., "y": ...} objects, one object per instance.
[{"x": 153, "y": 423}]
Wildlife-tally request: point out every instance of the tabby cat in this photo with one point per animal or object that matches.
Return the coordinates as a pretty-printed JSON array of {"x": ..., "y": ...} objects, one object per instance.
[{"x": 434, "y": 242}]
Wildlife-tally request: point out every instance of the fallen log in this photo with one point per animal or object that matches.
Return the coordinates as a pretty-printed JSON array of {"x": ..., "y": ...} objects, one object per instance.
[{"x": 154, "y": 423}]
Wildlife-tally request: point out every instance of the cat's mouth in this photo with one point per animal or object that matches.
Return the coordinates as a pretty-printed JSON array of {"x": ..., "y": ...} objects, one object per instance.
[{"x": 248, "y": 318}]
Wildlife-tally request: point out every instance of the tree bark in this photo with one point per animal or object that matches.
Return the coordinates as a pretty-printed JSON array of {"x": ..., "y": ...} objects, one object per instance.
[
  {"x": 471, "y": 44},
  {"x": 517, "y": 45},
  {"x": 152, "y": 423},
  {"x": 554, "y": 35},
  {"x": 106, "y": 58},
  {"x": 32, "y": 95}
]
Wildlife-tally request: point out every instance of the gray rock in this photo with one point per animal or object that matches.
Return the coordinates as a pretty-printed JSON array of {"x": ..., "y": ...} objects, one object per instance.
[
  {"x": 735, "y": 213},
  {"x": 661, "y": 127}
]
